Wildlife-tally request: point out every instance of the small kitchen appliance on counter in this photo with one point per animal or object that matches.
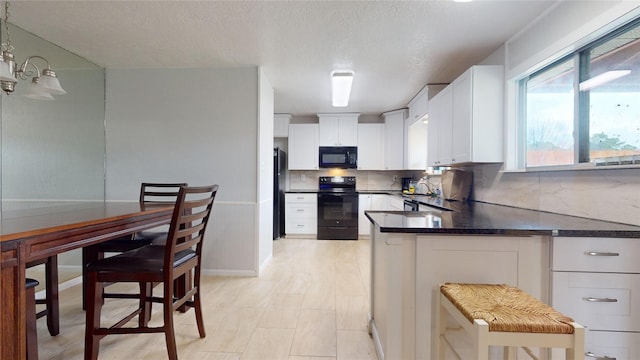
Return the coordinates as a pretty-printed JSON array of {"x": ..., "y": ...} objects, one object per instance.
[
  {"x": 406, "y": 183},
  {"x": 337, "y": 208}
]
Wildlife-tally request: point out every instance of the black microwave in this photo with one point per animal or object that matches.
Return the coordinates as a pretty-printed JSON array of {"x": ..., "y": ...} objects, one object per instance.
[{"x": 343, "y": 157}]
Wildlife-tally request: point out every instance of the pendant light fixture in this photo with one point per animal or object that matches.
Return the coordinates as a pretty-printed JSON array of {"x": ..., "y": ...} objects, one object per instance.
[{"x": 44, "y": 84}]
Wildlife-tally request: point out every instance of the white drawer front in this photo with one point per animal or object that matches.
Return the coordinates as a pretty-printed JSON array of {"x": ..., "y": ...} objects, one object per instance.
[
  {"x": 596, "y": 254},
  {"x": 301, "y": 198},
  {"x": 612, "y": 345},
  {"x": 305, "y": 211},
  {"x": 598, "y": 301},
  {"x": 608, "y": 345},
  {"x": 301, "y": 226}
]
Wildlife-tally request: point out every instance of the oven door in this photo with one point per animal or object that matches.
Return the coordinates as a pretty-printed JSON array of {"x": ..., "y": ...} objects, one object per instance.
[{"x": 338, "y": 216}]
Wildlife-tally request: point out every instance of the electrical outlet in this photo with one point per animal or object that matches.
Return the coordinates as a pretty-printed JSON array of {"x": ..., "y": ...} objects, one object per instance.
[{"x": 395, "y": 178}]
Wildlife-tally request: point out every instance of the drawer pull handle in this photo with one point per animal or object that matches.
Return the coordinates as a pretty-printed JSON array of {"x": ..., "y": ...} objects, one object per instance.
[
  {"x": 300, "y": 210},
  {"x": 607, "y": 300},
  {"x": 592, "y": 355},
  {"x": 597, "y": 253}
]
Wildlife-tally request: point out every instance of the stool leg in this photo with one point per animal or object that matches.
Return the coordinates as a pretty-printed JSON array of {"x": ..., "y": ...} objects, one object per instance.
[
  {"x": 510, "y": 353},
  {"x": 442, "y": 330},
  {"x": 577, "y": 352},
  {"x": 480, "y": 340},
  {"x": 32, "y": 329}
]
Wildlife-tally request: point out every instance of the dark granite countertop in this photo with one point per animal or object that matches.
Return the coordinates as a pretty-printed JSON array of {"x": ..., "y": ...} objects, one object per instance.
[
  {"x": 384, "y": 192},
  {"x": 477, "y": 218}
]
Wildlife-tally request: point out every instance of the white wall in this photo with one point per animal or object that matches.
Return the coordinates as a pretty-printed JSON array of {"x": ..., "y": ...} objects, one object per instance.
[
  {"x": 265, "y": 170},
  {"x": 193, "y": 125}
]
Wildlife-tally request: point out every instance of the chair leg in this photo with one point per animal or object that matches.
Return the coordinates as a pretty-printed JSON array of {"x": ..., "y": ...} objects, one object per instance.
[
  {"x": 89, "y": 254},
  {"x": 509, "y": 352},
  {"x": 32, "y": 329},
  {"x": 94, "y": 294},
  {"x": 169, "y": 333},
  {"x": 146, "y": 291},
  {"x": 52, "y": 303},
  {"x": 198, "y": 305},
  {"x": 480, "y": 340}
]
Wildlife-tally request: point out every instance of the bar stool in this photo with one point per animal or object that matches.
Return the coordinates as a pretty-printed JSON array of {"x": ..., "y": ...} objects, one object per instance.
[
  {"x": 32, "y": 328},
  {"x": 506, "y": 316}
]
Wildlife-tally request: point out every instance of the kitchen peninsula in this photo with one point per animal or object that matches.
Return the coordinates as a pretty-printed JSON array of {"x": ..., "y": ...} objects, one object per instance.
[{"x": 414, "y": 252}]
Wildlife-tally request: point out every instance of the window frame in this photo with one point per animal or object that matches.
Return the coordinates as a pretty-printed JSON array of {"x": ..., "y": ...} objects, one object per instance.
[{"x": 581, "y": 113}]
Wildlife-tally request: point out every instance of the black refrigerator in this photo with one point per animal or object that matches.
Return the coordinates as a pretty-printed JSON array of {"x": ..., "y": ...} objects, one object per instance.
[{"x": 279, "y": 166}]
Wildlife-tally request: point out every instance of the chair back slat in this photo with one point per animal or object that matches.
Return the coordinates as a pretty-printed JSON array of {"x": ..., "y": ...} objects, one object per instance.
[
  {"x": 189, "y": 221},
  {"x": 160, "y": 192}
]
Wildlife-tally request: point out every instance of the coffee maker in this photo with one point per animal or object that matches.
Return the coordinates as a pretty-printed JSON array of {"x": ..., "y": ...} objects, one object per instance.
[{"x": 406, "y": 183}]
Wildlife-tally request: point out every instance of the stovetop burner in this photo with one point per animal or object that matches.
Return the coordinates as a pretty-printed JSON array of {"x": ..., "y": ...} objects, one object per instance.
[{"x": 337, "y": 184}]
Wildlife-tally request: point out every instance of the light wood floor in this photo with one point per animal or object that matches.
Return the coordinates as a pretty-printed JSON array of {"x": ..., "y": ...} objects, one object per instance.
[{"x": 310, "y": 303}]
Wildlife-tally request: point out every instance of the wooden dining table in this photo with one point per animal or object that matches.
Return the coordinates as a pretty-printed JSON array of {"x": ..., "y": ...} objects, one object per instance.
[{"x": 32, "y": 234}]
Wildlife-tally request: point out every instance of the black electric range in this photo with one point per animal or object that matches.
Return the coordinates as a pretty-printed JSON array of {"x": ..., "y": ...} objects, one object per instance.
[{"x": 337, "y": 208}]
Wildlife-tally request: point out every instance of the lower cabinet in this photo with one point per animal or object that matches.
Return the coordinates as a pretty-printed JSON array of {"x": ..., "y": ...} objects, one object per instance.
[
  {"x": 596, "y": 281},
  {"x": 408, "y": 269},
  {"x": 374, "y": 202},
  {"x": 301, "y": 213}
]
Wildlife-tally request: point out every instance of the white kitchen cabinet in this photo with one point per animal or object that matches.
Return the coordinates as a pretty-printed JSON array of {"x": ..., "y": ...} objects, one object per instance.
[
  {"x": 338, "y": 129},
  {"x": 419, "y": 106},
  {"x": 395, "y": 203},
  {"x": 439, "y": 128},
  {"x": 394, "y": 139},
  {"x": 475, "y": 114},
  {"x": 478, "y": 98},
  {"x": 301, "y": 212},
  {"x": 416, "y": 145},
  {"x": 303, "y": 147},
  {"x": 281, "y": 125},
  {"x": 596, "y": 281},
  {"x": 369, "y": 202},
  {"x": 370, "y": 151},
  {"x": 407, "y": 270}
]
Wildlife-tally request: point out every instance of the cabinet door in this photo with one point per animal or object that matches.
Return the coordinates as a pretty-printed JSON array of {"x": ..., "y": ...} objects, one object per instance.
[
  {"x": 364, "y": 204},
  {"x": 338, "y": 130},
  {"x": 328, "y": 132},
  {"x": 439, "y": 129},
  {"x": 394, "y": 142},
  {"x": 417, "y": 146},
  {"x": 348, "y": 131},
  {"x": 461, "y": 120},
  {"x": 303, "y": 147},
  {"x": 370, "y": 153},
  {"x": 419, "y": 106}
]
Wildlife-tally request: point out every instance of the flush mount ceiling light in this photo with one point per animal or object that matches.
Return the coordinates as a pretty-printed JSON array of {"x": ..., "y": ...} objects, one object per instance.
[
  {"x": 341, "y": 87},
  {"x": 602, "y": 79},
  {"x": 44, "y": 84}
]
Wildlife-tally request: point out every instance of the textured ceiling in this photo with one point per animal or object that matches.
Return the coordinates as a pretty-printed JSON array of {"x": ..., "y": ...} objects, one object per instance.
[{"x": 394, "y": 47}]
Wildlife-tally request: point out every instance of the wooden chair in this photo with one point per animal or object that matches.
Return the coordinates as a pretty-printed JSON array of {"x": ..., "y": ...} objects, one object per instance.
[
  {"x": 52, "y": 305},
  {"x": 152, "y": 264},
  {"x": 502, "y": 315},
  {"x": 32, "y": 328},
  {"x": 150, "y": 193}
]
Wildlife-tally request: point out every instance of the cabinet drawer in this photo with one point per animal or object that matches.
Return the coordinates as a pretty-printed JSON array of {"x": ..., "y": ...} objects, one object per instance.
[
  {"x": 596, "y": 254},
  {"x": 301, "y": 226},
  {"x": 301, "y": 211},
  {"x": 598, "y": 301},
  {"x": 612, "y": 345},
  {"x": 301, "y": 198}
]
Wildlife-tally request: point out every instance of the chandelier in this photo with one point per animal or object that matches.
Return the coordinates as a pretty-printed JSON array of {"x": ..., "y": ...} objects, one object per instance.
[{"x": 44, "y": 84}]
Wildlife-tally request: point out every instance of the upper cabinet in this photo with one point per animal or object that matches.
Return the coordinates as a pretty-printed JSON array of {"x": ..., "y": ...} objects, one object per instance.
[
  {"x": 370, "y": 153},
  {"x": 281, "y": 125},
  {"x": 338, "y": 129},
  {"x": 468, "y": 118},
  {"x": 416, "y": 145},
  {"x": 303, "y": 147},
  {"x": 394, "y": 139},
  {"x": 419, "y": 106}
]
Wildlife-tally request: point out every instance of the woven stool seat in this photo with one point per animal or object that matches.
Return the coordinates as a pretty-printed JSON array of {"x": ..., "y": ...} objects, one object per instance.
[
  {"x": 502, "y": 315},
  {"x": 506, "y": 308}
]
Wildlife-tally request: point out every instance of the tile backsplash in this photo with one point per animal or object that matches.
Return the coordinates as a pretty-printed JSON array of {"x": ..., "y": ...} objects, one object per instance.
[
  {"x": 365, "y": 180},
  {"x": 612, "y": 195}
]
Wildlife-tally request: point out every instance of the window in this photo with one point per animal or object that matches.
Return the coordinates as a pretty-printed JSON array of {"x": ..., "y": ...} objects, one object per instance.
[{"x": 586, "y": 106}]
